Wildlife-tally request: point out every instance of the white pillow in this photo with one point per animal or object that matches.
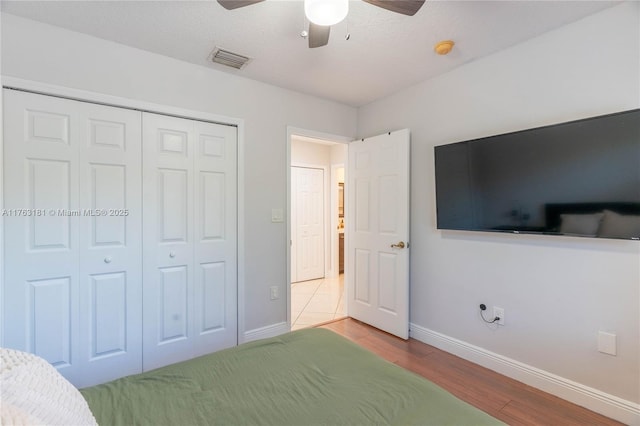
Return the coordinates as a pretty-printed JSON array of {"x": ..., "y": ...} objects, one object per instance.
[
  {"x": 580, "y": 224},
  {"x": 33, "y": 392},
  {"x": 615, "y": 225}
]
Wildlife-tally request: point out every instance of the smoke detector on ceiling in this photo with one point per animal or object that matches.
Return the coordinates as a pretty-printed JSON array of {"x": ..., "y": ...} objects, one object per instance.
[
  {"x": 228, "y": 58},
  {"x": 443, "y": 47}
]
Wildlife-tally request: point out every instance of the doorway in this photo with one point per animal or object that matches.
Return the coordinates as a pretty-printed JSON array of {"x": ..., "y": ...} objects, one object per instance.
[{"x": 317, "y": 224}]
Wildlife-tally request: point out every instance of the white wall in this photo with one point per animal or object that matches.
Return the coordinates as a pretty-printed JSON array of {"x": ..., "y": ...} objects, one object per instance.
[
  {"x": 557, "y": 292},
  {"x": 339, "y": 156},
  {"x": 303, "y": 152},
  {"x": 43, "y": 53}
]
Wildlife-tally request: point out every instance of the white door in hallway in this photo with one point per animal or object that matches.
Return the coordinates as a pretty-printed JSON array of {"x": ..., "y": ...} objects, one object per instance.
[
  {"x": 307, "y": 223},
  {"x": 378, "y": 232},
  {"x": 190, "y": 238}
]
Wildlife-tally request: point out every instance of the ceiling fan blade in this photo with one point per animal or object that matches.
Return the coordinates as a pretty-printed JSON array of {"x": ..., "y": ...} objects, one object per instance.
[
  {"x": 318, "y": 35},
  {"x": 234, "y": 4},
  {"x": 406, "y": 7}
]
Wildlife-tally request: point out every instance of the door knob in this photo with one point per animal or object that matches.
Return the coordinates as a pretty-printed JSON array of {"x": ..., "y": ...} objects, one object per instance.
[
  {"x": 399, "y": 245},
  {"x": 172, "y": 254}
]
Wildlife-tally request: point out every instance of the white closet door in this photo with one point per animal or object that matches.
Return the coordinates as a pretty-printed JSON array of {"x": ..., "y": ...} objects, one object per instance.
[
  {"x": 110, "y": 242},
  {"x": 61, "y": 300},
  {"x": 41, "y": 286},
  {"x": 168, "y": 235},
  {"x": 189, "y": 238},
  {"x": 215, "y": 257}
]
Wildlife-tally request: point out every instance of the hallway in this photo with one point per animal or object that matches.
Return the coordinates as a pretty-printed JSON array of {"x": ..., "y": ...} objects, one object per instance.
[{"x": 317, "y": 301}]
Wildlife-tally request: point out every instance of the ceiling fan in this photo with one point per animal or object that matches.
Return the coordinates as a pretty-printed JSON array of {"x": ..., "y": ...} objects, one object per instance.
[{"x": 324, "y": 13}]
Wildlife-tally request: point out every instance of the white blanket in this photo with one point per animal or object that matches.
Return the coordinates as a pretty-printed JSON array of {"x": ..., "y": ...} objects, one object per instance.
[{"x": 32, "y": 392}]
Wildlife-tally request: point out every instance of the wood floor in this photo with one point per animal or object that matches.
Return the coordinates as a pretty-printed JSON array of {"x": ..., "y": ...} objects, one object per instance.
[{"x": 506, "y": 399}]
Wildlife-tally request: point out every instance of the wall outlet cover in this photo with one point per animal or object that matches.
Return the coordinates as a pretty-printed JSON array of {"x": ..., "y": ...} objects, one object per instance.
[
  {"x": 275, "y": 294},
  {"x": 277, "y": 215},
  {"x": 498, "y": 312}
]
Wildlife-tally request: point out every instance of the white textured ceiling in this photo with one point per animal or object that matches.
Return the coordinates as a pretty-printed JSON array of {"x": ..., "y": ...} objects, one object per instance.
[{"x": 386, "y": 52}]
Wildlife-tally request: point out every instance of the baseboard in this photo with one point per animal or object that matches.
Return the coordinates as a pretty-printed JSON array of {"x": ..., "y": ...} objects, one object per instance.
[
  {"x": 265, "y": 332},
  {"x": 608, "y": 405}
]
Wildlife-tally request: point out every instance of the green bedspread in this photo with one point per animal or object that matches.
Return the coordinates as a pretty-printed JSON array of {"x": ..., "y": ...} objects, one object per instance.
[{"x": 308, "y": 377}]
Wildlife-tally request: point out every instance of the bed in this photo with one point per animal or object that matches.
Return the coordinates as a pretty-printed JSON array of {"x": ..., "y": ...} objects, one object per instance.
[{"x": 307, "y": 377}]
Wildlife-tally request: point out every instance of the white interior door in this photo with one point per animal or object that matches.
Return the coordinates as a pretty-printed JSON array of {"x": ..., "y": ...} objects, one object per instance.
[
  {"x": 378, "y": 231},
  {"x": 110, "y": 239},
  {"x": 190, "y": 238},
  {"x": 168, "y": 149},
  {"x": 307, "y": 201},
  {"x": 215, "y": 242},
  {"x": 72, "y": 287},
  {"x": 42, "y": 289}
]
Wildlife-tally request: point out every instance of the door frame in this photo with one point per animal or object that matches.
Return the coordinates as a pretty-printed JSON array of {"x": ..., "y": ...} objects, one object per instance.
[
  {"x": 120, "y": 102},
  {"x": 335, "y": 259},
  {"x": 2, "y": 80},
  {"x": 296, "y": 131}
]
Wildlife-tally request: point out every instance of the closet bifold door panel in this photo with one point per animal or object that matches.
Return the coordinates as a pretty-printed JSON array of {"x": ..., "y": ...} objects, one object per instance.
[
  {"x": 110, "y": 239},
  {"x": 190, "y": 238},
  {"x": 72, "y": 197}
]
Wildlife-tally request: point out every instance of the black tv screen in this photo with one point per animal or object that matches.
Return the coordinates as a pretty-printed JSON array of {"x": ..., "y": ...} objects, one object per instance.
[{"x": 579, "y": 178}]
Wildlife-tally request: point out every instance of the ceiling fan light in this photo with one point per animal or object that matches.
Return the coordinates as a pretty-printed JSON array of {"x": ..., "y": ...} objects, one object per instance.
[{"x": 326, "y": 12}]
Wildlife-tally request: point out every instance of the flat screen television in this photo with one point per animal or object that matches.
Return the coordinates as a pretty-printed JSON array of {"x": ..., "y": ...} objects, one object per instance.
[{"x": 580, "y": 178}]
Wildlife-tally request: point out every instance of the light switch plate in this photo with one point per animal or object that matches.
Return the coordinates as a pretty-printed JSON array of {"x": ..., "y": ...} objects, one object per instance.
[
  {"x": 277, "y": 215},
  {"x": 607, "y": 343}
]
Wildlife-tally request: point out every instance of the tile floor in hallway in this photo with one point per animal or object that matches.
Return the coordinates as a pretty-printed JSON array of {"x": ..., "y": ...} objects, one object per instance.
[{"x": 316, "y": 301}]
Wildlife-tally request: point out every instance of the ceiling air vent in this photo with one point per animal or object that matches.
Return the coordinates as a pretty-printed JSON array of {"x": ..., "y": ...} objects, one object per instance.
[{"x": 229, "y": 59}]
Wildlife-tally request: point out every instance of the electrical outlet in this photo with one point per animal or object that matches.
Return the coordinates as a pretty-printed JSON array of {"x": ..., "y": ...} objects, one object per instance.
[
  {"x": 498, "y": 312},
  {"x": 274, "y": 292}
]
